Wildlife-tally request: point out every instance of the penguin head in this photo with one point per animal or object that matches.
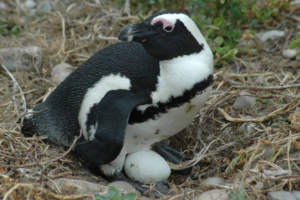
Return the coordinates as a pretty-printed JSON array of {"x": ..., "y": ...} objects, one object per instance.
[{"x": 166, "y": 35}]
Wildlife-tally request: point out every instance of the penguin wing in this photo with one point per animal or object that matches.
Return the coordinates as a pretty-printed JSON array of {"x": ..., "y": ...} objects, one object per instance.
[{"x": 113, "y": 113}]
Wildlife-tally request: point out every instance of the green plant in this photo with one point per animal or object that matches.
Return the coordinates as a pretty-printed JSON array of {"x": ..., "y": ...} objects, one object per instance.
[
  {"x": 114, "y": 194},
  {"x": 296, "y": 43},
  {"x": 238, "y": 194},
  {"x": 8, "y": 28},
  {"x": 221, "y": 21}
]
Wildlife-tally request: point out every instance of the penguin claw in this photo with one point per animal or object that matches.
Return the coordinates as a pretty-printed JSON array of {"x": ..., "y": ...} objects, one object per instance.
[
  {"x": 172, "y": 156},
  {"x": 160, "y": 189}
]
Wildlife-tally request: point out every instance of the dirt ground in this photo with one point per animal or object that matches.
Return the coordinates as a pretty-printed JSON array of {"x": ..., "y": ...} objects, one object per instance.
[{"x": 256, "y": 147}]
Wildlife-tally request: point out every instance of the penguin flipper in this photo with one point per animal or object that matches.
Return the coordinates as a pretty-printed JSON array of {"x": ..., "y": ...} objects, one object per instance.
[{"x": 113, "y": 113}]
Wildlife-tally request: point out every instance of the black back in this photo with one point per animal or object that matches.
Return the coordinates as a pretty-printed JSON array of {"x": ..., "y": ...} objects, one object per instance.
[{"x": 126, "y": 59}]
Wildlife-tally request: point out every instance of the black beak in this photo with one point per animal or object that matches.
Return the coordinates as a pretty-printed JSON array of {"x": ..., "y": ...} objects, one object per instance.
[{"x": 136, "y": 33}]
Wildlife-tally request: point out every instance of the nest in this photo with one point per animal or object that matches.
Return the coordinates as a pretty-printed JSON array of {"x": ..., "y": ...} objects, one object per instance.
[{"x": 261, "y": 158}]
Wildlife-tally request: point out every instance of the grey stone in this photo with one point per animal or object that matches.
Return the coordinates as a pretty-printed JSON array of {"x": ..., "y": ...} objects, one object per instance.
[
  {"x": 289, "y": 53},
  {"x": 29, "y": 4},
  {"x": 80, "y": 187},
  {"x": 243, "y": 102},
  {"x": 281, "y": 195},
  {"x": 43, "y": 7},
  {"x": 23, "y": 58},
  {"x": 214, "y": 195},
  {"x": 296, "y": 193},
  {"x": 3, "y": 7},
  {"x": 269, "y": 151},
  {"x": 247, "y": 128},
  {"x": 212, "y": 181},
  {"x": 123, "y": 186},
  {"x": 60, "y": 72}
]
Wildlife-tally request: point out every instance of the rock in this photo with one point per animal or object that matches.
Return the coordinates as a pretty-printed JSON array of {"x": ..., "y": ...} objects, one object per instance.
[
  {"x": 25, "y": 58},
  {"x": 289, "y": 53},
  {"x": 295, "y": 3},
  {"x": 123, "y": 186},
  {"x": 258, "y": 186},
  {"x": 296, "y": 193},
  {"x": 146, "y": 167},
  {"x": 249, "y": 44},
  {"x": 247, "y": 128},
  {"x": 243, "y": 102},
  {"x": 60, "y": 72},
  {"x": 281, "y": 195},
  {"x": 269, "y": 151},
  {"x": 71, "y": 186},
  {"x": 212, "y": 181},
  {"x": 43, "y": 7},
  {"x": 3, "y": 7},
  {"x": 214, "y": 195},
  {"x": 273, "y": 34},
  {"x": 29, "y": 4}
]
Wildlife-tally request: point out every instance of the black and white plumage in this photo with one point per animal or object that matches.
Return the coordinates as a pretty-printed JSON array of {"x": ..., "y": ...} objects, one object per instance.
[{"x": 131, "y": 94}]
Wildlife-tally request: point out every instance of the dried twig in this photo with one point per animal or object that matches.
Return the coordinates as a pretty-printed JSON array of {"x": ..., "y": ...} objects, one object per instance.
[
  {"x": 49, "y": 161},
  {"x": 45, "y": 191},
  {"x": 279, "y": 111},
  {"x": 16, "y": 85}
]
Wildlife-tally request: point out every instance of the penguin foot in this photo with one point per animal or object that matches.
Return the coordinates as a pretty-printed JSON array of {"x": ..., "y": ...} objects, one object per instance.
[
  {"x": 160, "y": 188},
  {"x": 172, "y": 156}
]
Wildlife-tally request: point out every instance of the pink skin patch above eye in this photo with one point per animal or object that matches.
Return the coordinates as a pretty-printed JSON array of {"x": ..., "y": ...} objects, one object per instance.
[{"x": 166, "y": 23}]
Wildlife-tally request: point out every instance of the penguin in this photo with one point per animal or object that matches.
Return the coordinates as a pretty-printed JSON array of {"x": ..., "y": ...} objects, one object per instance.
[{"x": 130, "y": 95}]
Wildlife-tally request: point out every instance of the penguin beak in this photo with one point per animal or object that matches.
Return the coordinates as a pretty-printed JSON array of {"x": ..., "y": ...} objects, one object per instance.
[{"x": 136, "y": 33}]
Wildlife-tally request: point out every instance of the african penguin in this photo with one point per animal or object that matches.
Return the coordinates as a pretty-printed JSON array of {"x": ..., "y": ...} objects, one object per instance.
[{"x": 130, "y": 95}]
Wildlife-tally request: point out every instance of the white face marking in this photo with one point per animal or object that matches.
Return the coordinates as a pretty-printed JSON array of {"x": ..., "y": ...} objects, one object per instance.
[
  {"x": 188, "y": 22},
  {"x": 95, "y": 94},
  {"x": 130, "y": 37}
]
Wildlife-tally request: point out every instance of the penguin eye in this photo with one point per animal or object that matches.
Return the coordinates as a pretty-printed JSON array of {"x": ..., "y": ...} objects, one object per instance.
[{"x": 168, "y": 28}]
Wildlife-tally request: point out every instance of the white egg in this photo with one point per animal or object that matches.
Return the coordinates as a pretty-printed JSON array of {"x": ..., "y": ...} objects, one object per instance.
[{"x": 146, "y": 167}]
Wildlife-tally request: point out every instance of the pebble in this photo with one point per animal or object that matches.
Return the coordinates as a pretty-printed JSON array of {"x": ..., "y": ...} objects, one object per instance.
[
  {"x": 80, "y": 187},
  {"x": 273, "y": 34},
  {"x": 269, "y": 151},
  {"x": 296, "y": 193},
  {"x": 214, "y": 195},
  {"x": 212, "y": 181},
  {"x": 43, "y": 7},
  {"x": 29, "y": 4},
  {"x": 289, "y": 53},
  {"x": 295, "y": 3},
  {"x": 243, "y": 102},
  {"x": 247, "y": 128},
  {"x": 23, "y": 58},
  {"x": 3, "y": 7},
  {"x": 60, "y": 72},
  {"x": 123, "y": 186},
  {"x": 281, "y": 195}
]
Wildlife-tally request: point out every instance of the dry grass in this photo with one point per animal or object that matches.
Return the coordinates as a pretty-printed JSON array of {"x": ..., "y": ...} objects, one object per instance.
[{"x": 263, "y": 158}]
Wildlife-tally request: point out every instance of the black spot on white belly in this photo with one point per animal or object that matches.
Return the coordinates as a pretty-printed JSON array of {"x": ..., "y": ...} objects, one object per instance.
[
  {"x": 91, "y": 118},
  {"x": 157, "y": 132},
  {"x": 151, "y": 112}
]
